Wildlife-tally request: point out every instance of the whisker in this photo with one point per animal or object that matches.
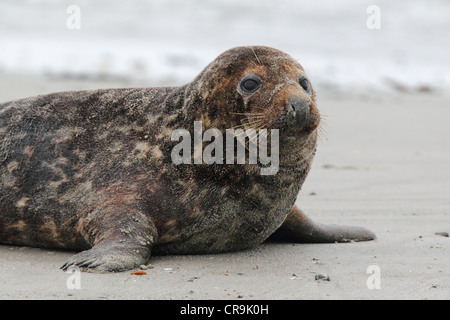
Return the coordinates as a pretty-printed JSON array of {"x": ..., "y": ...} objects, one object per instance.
[
  {"x": 321, "y": 133},
  {"x": 248, "y": 124},
  {"x": 257, "y": 59},
  {"x": 252, "y": 125},
  {"x": 246, "y": 113},
  {"x": 325, "y": 115},
  {"x": 253, "y": 121}
]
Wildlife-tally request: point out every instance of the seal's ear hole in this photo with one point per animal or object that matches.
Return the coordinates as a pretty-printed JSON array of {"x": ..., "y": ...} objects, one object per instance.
[
  {"x": 250, "y": 83},
  {"x": 304, "y": 83}
]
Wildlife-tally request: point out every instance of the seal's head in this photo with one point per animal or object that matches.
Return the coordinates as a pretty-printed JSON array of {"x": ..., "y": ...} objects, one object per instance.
[{"x": 256, "y": 87}]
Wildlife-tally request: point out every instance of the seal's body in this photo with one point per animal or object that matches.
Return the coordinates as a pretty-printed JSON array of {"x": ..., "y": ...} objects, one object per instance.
[{"x": 92, "y": 170}]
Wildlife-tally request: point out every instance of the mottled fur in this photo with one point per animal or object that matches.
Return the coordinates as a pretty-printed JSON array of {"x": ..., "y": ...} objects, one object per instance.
[{"x": 92, "y": 169}]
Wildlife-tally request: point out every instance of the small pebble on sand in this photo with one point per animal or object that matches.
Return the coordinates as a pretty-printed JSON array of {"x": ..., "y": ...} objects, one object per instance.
[{"x": 323, "y": 277}]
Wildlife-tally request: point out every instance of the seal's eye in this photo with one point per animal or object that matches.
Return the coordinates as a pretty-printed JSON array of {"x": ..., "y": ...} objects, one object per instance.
[
  {"x": 304, "y": 83},
  {"x": 250, "y": 83}
]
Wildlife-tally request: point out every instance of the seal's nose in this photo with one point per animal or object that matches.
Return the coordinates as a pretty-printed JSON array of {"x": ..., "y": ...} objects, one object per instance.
[{"x": 298, "y": 109}]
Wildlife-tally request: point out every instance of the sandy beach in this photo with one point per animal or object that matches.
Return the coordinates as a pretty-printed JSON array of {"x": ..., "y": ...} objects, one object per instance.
[
  {"x": 383, "y": 163},
  {"x": 383, "y": 160}
]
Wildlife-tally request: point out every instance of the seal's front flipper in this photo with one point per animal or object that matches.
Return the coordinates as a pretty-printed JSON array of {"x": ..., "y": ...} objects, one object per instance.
[
  {"x": 110, "y": 257},
  {"x": 121, "y": 240},
  {"x": 299, "y": 228}
]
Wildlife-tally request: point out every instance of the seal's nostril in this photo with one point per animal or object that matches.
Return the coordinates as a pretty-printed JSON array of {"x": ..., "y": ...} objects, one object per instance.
[{"x": 293, "y": 106}]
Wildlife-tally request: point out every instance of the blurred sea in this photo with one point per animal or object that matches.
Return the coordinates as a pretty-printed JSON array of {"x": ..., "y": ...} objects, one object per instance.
[{"x": 170, "y": 41}]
